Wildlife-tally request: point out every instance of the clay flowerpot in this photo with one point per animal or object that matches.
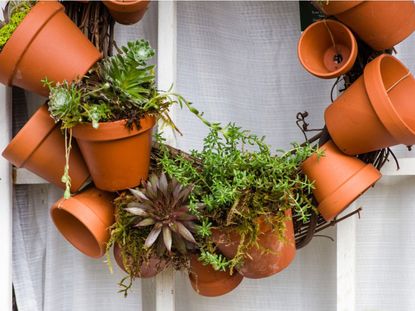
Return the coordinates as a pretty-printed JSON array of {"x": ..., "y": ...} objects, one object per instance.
[
  {"x": 381, "y": 24},
  {"x": 274, "y": 255},
  {"x": 46, "y": 44},
  {"x": 147, "y": 270},
  {"x": 206, "y": 281},
  {"x": 376, "y": 111},
  {"x": 338, "y": 179},
  {"x": 117, "y": 158},
  {"x": 84, "y": 220},
  {"x": 127, "y": 12},
  {"x": 327, "y": 49},
  {"x": 40, "y": 147}
]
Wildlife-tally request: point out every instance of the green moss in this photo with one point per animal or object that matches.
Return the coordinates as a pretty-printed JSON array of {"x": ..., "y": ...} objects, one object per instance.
[{"x": 16, "y": 18}]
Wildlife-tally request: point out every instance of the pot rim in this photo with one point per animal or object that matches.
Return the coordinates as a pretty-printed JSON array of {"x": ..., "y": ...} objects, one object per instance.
[
  {"x": 121, "y": 6},
  {"x": 26, "y": 137},
  {"x": 85, "y": 216},
  {"x": 326, "y": 207},
  {"x": 213, "y": 288},
  {"x": 113, "y": 130},
  {"x": 382, "y": 103},
  {"x": 26, "y": 32},
  {"x": 339, "y": 9},
  {"x": 344, "y": 68}
]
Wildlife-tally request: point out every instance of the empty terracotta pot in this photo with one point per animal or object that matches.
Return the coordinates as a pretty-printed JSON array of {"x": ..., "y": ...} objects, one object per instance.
[
  {"x": 46, "y": 44},
  {"x": 327, "y": 49},
  {"x": 338, "y": 179},
  {"x": 84, "y": 220},
  {"x": 257, "y": 264},
  {"x": 381, "y": 24},
  {"x": 147, "y": 270},
  {"x": 376, "y": 111},
  {"x": 206, "y": 281},
  {"x": 117, "y": 158},
  {"x": 40, "y": 147},
  {"x": 127, "y": 12}
]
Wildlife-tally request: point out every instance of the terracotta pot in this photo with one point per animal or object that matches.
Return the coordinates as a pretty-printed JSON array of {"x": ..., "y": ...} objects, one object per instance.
[
  {"x": 127, "y": 12},
  {"x": 339, "y": 179},
  {"x": 118, "y": 158},
  {"x": 258, "y": 264},
  {"x": 327, "y": 49},
  {"x": 206, "y": 281},
  {"x": 46, "y": 44},
  {"x": 84, "y": 220},
  {"x": 147, "y": 270},
  {"x": 40, "y": 147},
  {"x": 376, "y": 111},
  {"x": 381, "y": 24}
]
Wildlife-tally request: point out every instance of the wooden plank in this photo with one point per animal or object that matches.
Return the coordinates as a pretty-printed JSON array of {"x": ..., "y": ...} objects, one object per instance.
[
  {"x": 164, "y": 287},
  {"x": 22, "y": 176},
  {"x": 346, "y": 262},
  {"x": 407, "y": 167},
  {"x": 6, "y": 202}
]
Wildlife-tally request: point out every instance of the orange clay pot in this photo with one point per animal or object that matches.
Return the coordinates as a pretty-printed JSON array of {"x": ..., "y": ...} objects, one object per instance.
[
  {"x": 147, "y": 270},
  {"x": 118, "y": 158},
  {"x": 208, "y": 282},
  {"x": 381, "y": 24},
  {"x": 40, "y": 147},
  {"x": 339, "y": 179},
  {"x": 376, "y": 111},
  {"x": 46, "y": 44},
  {"x": 127, "y": 12},
  {"x": 257, "y": 264},
  {"x": 327, "y": 49},
  {"x": 84, "y": 220}
]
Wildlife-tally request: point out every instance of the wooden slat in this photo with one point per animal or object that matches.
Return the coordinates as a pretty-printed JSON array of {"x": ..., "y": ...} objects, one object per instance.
[
  {"x": 346, "y": 263},
  {"x": 167, "y": 58},
  {"x": 6, "y": 203}
]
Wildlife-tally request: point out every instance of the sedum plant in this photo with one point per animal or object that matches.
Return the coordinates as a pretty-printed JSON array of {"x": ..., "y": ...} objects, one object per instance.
[
  {"x": 239, "y": 180},
  {"x": 14, "y": 13},
  {"x": 154, "y": 221}
]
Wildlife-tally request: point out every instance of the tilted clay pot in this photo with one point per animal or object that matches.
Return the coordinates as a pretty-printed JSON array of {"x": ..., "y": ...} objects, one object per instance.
[
  {"x": 338, "y": 179},
  {"x": 46, "y": 44},
  {"x": 147, "y": 270},
  {"x": 40, "y": 147},
  {"x": 117, "y": 158},
  {"x": 84, "y": 220},
  {"x": 376, "y": 111},
  {"x": 381, "y": 24},
  {"x": 127, "y": 12},
  {"x": 208, "y": 282},
  {"x": 274, "y": 255},
  {"x": 327, "y": 49}
]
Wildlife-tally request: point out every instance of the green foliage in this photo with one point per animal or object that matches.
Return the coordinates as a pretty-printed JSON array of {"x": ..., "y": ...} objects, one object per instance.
[
  {"x": 240, "y": 181},
  {"x": 119, "y": 87},
  {"x": 217, "y": 261},
  {"x": 14, "y": 14}
]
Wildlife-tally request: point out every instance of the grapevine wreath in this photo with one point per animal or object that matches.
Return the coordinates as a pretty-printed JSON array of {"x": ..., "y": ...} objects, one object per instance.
[{"x": 235, "y": 208}]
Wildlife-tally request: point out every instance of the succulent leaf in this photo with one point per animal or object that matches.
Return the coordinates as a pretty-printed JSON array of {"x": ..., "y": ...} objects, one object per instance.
[
  {"x": 146, "y": 222},
  {"x": 152, "y": 237},
  {"x": 167, "y": 238},
  {"x": 137, "y": 211},
  {"x": 138, "y": 194},
  {"x": 184, "y": 232}
]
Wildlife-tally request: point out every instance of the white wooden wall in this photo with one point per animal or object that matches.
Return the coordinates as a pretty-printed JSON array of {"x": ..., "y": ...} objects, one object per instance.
[{"x": 162, "y": 297}]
